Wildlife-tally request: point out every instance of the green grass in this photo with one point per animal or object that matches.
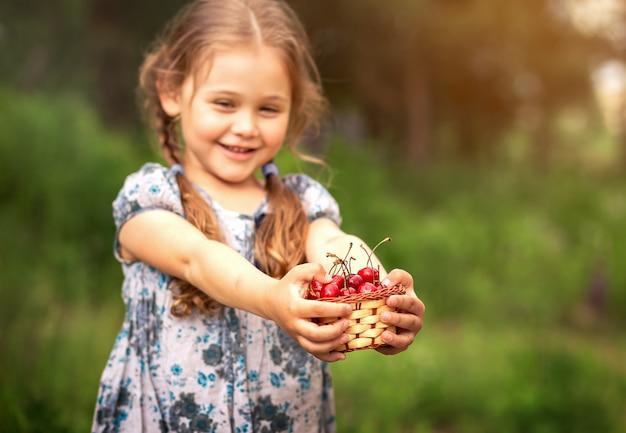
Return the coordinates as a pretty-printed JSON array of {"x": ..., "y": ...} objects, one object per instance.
[
  {"x": 58, "y": 347},
  {"x": 504, "y": 258}
]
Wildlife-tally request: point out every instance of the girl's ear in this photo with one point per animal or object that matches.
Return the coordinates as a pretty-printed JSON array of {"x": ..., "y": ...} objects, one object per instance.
[{"x": 169, "y": 98}]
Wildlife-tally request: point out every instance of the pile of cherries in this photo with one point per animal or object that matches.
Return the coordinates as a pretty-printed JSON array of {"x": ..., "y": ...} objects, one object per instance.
[{"x": 344, "y": 282}]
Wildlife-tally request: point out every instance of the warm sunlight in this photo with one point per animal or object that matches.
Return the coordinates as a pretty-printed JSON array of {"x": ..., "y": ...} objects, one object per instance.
[
  {"x": 610, "y": 85},
  {"x": 601, "y": 17},
  {"x": 604, "y": 18}
]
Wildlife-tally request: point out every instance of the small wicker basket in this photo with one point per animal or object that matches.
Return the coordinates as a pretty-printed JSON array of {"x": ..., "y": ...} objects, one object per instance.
[{"x": 365, "y": 327}]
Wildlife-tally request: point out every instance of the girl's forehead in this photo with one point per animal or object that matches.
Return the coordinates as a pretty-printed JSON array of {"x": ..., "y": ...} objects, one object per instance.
[{"x": 234, "y": 59}]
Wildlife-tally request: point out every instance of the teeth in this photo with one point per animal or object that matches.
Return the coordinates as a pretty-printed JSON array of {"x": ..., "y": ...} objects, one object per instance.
[{"x": 237, "y": 149}]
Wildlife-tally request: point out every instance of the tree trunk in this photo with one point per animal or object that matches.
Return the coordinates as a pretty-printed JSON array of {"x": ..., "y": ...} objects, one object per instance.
[{"x": 417, "y": 105}]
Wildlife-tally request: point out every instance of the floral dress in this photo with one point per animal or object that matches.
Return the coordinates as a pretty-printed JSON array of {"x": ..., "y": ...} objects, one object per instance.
[{"x": 230, "y": 371}]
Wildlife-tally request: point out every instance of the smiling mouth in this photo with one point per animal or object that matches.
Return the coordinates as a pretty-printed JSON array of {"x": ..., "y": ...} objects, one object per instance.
[{"x": 236, "y": 149}]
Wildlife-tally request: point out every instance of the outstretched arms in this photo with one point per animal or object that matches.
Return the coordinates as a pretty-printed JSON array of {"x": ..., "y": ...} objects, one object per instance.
[{"x": 171, "y": 244}]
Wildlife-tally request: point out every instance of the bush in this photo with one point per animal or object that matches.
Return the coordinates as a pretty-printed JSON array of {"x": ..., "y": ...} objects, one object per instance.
[{"x": 59, "y": 172}]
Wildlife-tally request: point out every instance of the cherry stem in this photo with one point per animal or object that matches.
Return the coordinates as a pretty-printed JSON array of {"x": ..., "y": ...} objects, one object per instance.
[
  {"x": 387, "y": 239},
  {"x": 341, "y": 263},
  {"x": 369, "y": 255}
]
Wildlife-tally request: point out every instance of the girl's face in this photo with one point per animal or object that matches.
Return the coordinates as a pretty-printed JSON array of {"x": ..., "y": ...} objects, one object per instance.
[{"x": 235, "y": 117}]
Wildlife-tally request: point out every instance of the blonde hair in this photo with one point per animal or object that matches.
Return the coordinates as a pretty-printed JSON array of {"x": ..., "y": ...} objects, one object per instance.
[{"x": 189, "y": 40}]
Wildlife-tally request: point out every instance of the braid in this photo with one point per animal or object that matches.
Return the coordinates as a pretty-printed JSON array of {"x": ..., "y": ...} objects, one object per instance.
[
  {"x": 281, "y": 237},
  {"x": 185, "y": 296},
  {"x": 197, "y": 210},
  {"x": 166, "y": 129},
  {"x": 200, "y": 214}
]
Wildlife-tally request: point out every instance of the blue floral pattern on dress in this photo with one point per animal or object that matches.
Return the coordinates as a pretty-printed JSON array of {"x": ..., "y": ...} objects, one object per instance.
[{"x": 230, "y": 371}]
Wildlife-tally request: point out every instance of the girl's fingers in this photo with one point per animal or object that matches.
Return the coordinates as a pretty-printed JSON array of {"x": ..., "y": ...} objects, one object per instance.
[
  {"x": 408, "y": 303},
  {"x": 407, "y": 319},
  {"x": 396, "y": 342},
  {"x": 320, "y": 340},
  {"x": 330, "y": 356},
  {"x": 321, "y": 309},
  {"x": 399, "y": 276},
  {"x": 331, "y": 333},
  {"x": 307, "y": 272}
]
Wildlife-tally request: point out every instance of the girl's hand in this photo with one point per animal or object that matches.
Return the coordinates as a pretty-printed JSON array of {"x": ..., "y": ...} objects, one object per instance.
[
  {"x": 293, "y": 313},
  {"x": 409, "y": 317}
]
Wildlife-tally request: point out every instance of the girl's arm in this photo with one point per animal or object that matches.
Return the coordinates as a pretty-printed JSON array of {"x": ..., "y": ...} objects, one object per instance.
[
  {"x": 325, "y": 236},
  {"x": 171, "y": 244}
]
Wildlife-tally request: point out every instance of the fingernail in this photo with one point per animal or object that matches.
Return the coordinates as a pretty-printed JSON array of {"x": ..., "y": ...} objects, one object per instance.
[
  {"x": 385, "y": 316},
  {"x": 386, "y": 283}
]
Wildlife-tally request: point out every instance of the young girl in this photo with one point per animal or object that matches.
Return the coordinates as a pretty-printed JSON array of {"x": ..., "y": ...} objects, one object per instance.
[{"x": 218, "y": 334}]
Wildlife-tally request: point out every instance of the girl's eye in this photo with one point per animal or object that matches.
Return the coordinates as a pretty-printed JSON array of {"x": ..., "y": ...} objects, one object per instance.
[
  {"x": 269, "y": 109},
  {"x": 223, "y": 103}
]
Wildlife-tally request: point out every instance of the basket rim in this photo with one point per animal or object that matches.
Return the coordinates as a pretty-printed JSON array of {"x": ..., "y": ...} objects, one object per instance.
[{"x": 385, "y": 292}]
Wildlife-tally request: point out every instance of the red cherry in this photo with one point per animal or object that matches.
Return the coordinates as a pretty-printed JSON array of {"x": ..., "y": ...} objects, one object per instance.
[
  {"x": 347, "y": 291},
  {"x": 339, "y": 280},
  {"x": 330, "y": 290},
  {"x": 367, "y": 287},
  {"x": 368, "y": 274},
  {"x": 316, "y": 286},
  {"x": 315, "y": 290},
  {"x": 355, "y": 280}
]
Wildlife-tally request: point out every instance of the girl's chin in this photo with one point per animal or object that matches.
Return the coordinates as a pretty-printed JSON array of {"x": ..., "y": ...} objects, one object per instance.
[{"x": 234, "y": 178}]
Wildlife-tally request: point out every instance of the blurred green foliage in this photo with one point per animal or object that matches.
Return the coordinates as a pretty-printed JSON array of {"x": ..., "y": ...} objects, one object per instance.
[
  {"x": 521, "y": 272},
  {"x": 59, "y": 288},
  {"x": 60, "y": 172}
]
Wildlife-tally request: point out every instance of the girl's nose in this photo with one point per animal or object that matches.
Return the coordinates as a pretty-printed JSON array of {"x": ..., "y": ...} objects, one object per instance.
[{"x": 245, "y": 124}]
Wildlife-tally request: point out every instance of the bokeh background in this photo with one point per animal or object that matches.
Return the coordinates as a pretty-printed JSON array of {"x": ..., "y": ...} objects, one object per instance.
[{"x": 486, "y": 137}]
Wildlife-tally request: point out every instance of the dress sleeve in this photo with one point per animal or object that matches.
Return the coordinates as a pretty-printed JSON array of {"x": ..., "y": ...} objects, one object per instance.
[
  {"x": 152, "y": 187},
  {"x": 316, "y": 200}
]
